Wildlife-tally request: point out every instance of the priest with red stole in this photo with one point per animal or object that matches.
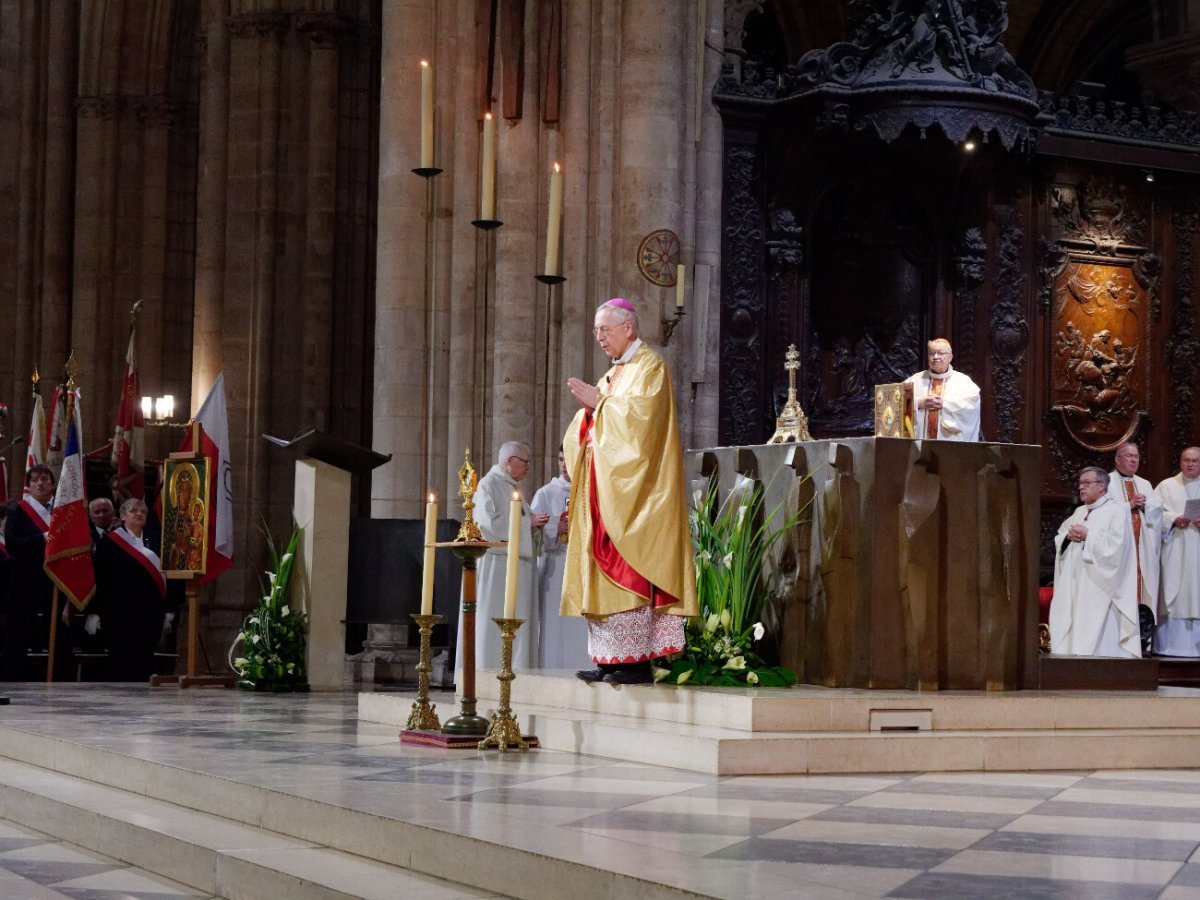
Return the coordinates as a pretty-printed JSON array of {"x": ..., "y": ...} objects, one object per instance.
[
  {"x": 629, "y": 569},
  {"x": 27, "y": 606},
  {"x": 130, "y": 596}
]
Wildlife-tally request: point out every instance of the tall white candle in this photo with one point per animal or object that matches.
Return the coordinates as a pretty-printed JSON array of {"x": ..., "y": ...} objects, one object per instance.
[
  {"x": 514, "y": 557},
  {"x": 487, "y": 191},
  {"x": 680, "y": 279},
  {"x": 554, "y": 221},
  {"x": 426, "y": 115},
  {"x": 427, "y": 567}
]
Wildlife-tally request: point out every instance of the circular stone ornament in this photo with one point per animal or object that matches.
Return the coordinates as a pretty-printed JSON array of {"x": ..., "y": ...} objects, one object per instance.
[{"x": 658, "y": 255}]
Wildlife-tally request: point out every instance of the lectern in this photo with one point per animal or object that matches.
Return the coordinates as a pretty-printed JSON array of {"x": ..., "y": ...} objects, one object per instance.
[{"x": 321, "y": 506}]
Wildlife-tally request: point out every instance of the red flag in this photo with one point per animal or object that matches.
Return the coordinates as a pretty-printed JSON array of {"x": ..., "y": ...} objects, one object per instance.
[
  {"x": 128, "y": 455},
  {"x": 69, "y": 540},
  {"x": 214, "y": 430}
]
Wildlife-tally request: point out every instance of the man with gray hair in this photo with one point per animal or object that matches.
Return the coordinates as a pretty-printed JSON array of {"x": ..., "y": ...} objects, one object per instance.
[
  {"x": 1094, "y": 611},
  {"x": 629, "y": 568},
  {"x": 493, "y": 500},
  {"x": 1179, "y": 608}
]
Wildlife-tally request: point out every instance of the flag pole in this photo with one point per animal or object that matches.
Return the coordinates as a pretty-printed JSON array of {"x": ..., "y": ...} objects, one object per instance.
[{"x": 53, "y": 635}]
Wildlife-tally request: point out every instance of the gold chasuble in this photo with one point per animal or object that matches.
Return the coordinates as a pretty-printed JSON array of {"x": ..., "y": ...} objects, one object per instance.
[{"x": 626, "y": 464}]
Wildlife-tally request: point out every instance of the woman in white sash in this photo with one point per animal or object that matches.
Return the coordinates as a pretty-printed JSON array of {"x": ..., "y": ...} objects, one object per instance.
[{"x": 130, "y": 596}]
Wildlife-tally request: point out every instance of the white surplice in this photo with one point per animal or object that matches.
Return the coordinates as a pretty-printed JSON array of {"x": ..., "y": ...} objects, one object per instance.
[
  {"x": 562, "y": 640},
  {"x": 958, "y": 419},
  {"x": 1178, "y": 632},
  {"x": 492, "y": 498},
  {"x": 1149, "y": 543},
  {"x": 1094, "y": 611}
]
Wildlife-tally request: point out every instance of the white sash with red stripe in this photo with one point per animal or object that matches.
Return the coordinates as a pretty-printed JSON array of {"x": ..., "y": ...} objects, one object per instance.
[
  {"x": 38, "y": 514},
  {"x": 145, "y": 557}
]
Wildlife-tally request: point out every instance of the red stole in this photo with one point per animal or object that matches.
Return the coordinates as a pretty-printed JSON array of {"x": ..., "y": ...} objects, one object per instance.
[
  {"x": 143, "y": 555},
  {"x": 1136, "y": 521},
  {"x": 38, "y": 514},
  {"x": 933, "y": 416}
]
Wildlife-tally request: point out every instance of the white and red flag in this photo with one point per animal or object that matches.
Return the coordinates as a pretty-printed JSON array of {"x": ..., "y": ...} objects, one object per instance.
[
  {"x": 214, "y": 425},
  {"x": 35, "y": 447},
  {"x": 56, "y": 430},
  {"x": 128, "y": 443},
  {"x": 69, "y": 540}
]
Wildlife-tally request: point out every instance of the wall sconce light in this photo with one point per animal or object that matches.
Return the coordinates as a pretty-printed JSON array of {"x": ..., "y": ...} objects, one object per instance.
[
  {"x": 158, "y": 410},
  {"x": 1149, "y": 175}
]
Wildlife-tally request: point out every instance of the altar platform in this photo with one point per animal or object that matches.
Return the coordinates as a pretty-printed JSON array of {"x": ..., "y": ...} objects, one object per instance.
[
  {"x": 815, "y": 730},
  {"x": 272, "y": 796}
]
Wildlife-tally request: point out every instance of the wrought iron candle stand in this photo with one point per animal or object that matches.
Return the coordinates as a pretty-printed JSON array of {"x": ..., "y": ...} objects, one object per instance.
[
  {"x": 504, "y": 732},
  {"x": 424, "y": 714}
]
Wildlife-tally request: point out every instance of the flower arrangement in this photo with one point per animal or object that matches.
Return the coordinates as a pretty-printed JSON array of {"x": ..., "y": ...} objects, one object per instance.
[
  {"x": 273, "y": 636},
  {"x": 731, "y": 543}
]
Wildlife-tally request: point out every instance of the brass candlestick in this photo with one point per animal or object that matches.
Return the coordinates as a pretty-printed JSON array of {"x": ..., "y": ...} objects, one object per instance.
[
  {"x": 424, "y": 714},
  {"x": 504, "y": 731}
]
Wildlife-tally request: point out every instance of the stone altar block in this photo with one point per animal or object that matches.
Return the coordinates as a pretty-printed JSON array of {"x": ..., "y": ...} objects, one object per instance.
[{"x": 916, "y": 563}]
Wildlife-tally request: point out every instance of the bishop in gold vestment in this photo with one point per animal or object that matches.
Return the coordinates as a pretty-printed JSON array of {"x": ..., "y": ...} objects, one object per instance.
[{"x": 629, "y": 568}]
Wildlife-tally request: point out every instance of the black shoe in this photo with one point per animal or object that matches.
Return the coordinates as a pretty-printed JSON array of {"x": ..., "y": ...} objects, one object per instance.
[
  {"x": 629, "y": 676},
  {"x": 590, "y": 675}
]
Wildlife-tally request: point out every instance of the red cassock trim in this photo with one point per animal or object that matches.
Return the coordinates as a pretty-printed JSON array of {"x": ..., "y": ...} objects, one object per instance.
[{"x": 610, "y": 561}]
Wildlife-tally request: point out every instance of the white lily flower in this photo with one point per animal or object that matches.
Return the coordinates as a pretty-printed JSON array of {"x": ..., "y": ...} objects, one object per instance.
[
  {"x": 685, "y": 676},
  {"x": 711, "y": 625},
  {"x": 659, "y": 673},
  {"x": 751, "y": 678},
  {"x": 283, "y": 560},
  {"x": 254, "y": 638},
  {"x": 727, "y": 560},
  {"x": 271, "y": 577},
  {"x": 254, "y": 620},
  {"x": 726, "y": 618},
  {"x": 240, "y": 662},
  {"x": 737, "y": 663},
  {"x": 284, "y": 611},
  {"x": 759, "y": 631},
  {"x": 741, "y": 516}
]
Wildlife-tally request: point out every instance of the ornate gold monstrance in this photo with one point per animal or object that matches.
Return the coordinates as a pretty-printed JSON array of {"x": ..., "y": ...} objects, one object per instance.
[{"x": 792, "y": 424}]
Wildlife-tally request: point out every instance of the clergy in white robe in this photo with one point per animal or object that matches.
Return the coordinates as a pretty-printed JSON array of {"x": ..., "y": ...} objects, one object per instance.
[
  {"x": 493, "y": 498},
  {"x": 1178, "y": 632},
  {"x": 1145, "y": 519},
  {"x": 562, "y": 640},
  {"x": 945, "y": 402},
  {"x": 1094, "y": 611}
]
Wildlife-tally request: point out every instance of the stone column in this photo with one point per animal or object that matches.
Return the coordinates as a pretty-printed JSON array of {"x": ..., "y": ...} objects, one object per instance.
[
  {"x": 409, "y": 28},
  {"x": 154, "y": 115},
  {"x": 208, "y": 356},
  {"x": 322, "y": 31}
]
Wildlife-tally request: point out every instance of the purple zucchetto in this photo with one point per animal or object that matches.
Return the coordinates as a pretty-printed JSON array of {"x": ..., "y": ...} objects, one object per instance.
[{"x": 620, "y": 303}]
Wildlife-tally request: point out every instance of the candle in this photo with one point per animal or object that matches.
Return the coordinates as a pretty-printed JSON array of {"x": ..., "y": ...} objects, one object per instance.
[
  {"x": 428, "y": 565},
  {"x": 680, "y": 277},
  {"x": 487, "y": 193},
  {"x": 554, "y": 220},
  {"x": 514, "y": 557},
  {"x": 426, "y": 115}
]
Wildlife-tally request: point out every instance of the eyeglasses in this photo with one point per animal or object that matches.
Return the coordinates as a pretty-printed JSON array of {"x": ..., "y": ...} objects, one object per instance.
[
  {"x": 939, "y": 353},
  {"x": 605, "y": 330},
  {"x": 523, "y": 462}
]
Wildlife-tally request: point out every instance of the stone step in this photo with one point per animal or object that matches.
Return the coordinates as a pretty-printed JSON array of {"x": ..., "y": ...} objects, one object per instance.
[
  {"x": 206, "y": 852},
  {"x": 727, "y": 751}
]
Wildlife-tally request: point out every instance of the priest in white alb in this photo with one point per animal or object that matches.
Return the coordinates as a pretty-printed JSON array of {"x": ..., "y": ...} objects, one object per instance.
[
  {"x": 1094, "y": 611},
  {"x": 945, "y": 401},
  {"x": 562, "y": 640},
  {"x": 1145, "y": 519},
  {"x": 493, "y": 500},
  {"x": 1178, "y": 632}
]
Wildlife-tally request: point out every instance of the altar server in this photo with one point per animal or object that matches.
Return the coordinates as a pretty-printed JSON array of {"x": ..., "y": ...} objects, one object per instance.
[
  {"x": 562, "y": 640},
  {"x": 1178, "y": 631},
  {"x": 1094, "y": 611}
]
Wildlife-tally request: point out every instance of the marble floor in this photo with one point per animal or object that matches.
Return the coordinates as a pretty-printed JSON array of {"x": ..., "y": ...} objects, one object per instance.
[{"x": 1080, "y": 834}]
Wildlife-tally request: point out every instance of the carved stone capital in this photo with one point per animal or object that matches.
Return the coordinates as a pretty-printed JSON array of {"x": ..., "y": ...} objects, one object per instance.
[
  {"x": 105, "y": 107},
  {"x": 257, "y": 24},
  {"x": 157, "y": 111},
  {"x": 323, "y": 29}
]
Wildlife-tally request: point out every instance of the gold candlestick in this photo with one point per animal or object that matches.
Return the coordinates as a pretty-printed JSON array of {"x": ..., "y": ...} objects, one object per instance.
[
  {"x": 424, "y": 714},
  {"x": 504, "y": 731}
]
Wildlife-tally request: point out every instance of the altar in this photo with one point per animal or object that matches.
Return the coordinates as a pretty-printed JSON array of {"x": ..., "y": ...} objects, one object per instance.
[{"x": 914, "y": 565}]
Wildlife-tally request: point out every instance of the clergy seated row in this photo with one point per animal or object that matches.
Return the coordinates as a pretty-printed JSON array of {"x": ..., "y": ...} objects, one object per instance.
[{"x": 1127, "y": 563}]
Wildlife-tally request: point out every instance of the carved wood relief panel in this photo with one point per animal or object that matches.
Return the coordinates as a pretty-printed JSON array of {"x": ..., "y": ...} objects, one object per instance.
[{"x": 1098, "y": 366}]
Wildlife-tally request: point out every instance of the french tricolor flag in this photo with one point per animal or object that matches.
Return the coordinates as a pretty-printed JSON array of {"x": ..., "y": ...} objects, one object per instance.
[{"x": 69, "y": 541}]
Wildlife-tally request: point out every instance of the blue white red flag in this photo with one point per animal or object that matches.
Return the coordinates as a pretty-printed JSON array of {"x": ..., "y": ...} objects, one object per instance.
[{"x": 69, "y": 540}]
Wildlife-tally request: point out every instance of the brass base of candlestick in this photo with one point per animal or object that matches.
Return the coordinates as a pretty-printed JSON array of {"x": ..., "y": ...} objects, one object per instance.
[
  {"x": 503, "y": 732},
  {"x": 424, "y": 714}
]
